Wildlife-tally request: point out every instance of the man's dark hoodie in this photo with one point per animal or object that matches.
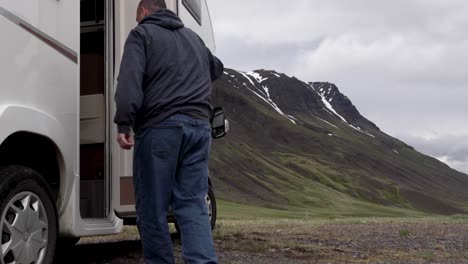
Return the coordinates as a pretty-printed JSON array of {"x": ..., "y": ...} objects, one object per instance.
[{"x": 166, "y": 69}]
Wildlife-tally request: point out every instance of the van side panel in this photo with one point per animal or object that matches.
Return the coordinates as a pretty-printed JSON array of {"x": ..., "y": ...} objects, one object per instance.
[
  {"x": 58, "y": 19},
  {"x": 39, "y": 80}
]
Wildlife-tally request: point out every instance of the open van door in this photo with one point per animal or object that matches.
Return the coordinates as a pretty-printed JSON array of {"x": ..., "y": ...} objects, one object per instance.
[
  {"x": 122, "y": 181},
  {"x": 122, "y": 161}
]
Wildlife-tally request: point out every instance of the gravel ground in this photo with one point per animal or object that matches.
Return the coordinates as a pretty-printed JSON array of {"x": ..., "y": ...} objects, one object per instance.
[
  {"x": 324, "y": 243},
  {"x": 129, "y": 252}
]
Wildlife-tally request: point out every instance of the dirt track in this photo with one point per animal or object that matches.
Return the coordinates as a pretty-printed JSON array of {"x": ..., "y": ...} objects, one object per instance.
[{"x": 328, "y": 243}]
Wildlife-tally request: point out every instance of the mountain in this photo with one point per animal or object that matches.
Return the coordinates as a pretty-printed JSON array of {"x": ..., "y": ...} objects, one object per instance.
[{"x": 305, "y": 147}]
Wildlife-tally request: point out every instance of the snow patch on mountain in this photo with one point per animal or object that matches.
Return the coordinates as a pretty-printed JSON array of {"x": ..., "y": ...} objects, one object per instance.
[
  {"x": 257, "y": 76},
  {"x": 264, "y": 93},
  {"x": 330, "y": 108},
  {"x": 267, "y": 91},
  {"x": 323, "y": 93},
  {"x": 327, "y": 122},
  {"x": 247, "y": 77},
  {"x": 362, "y": 131}
]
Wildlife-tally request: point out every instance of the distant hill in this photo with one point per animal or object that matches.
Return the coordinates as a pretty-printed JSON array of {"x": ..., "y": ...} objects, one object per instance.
[{"x": 305, "y": 147}]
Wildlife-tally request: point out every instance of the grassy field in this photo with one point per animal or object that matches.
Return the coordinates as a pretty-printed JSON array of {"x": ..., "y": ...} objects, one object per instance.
[
  {"x": 288, "y": 225},
  {"x": 233, "y": 211}
]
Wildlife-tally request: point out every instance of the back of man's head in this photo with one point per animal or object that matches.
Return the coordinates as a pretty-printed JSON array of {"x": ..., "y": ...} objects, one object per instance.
[{"x": 153, "y": 5}]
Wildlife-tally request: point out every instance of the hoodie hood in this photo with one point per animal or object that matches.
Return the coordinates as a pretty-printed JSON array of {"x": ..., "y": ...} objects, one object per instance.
[{"x": 164, "y": 18}]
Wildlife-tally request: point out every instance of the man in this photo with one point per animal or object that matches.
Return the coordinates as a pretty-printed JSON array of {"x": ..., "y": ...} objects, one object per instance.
[{"x": 164, "y": 95}]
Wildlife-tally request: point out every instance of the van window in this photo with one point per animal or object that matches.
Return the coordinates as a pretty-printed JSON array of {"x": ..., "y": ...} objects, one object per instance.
[{"x": 194, "y": 7}]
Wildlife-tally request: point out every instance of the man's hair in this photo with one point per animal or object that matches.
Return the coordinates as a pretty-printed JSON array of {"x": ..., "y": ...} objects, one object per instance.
[{"x": 153, "y": 5}]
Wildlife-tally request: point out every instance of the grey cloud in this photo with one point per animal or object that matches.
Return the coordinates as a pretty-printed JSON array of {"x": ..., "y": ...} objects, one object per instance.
[
  {"x": 451, "y": 149},
  {"x": 416, "y": 40},
  {"x": 277, "y": 56},
  {"x": 404, "y": 63},
  {"x": 453, "y": 146},
  {"x": 300, "y": 20}
]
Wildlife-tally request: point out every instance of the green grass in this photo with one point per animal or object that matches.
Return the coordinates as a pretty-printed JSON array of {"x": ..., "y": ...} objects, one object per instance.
[
  {"x": 229, "y": 210},
  {"x": 234, "y": 211},
  {"x": 404, "y": 233}
]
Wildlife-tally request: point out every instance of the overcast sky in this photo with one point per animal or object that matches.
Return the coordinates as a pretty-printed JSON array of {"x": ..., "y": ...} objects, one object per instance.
[{"x": 403, "y": 63}]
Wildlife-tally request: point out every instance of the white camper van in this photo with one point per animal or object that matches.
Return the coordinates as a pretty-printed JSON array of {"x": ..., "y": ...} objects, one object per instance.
[{"x": 62, "y": 175}]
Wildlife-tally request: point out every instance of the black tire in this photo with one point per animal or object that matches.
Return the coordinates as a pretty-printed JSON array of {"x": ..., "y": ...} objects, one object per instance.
[
  {"x": 15, "y": 181},
  {"x": 214, "y": 212}
]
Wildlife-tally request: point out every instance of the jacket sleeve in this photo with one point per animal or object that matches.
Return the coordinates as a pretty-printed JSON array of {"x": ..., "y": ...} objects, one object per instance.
[
  {"x": 216, "y": 66},
  {"x": 129, "y": 92}
]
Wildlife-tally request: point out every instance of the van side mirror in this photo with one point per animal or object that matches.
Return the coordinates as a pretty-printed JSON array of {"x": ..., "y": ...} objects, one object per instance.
[{"x": 219, "y": 123}]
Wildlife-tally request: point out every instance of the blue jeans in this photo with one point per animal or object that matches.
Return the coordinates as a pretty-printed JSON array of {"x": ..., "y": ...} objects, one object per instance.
[{"x": 171, "y": 169}]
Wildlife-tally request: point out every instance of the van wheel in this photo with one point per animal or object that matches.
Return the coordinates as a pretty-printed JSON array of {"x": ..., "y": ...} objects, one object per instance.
[
  {"x": 28, "y": 223},
  {"x": 212, "y": 210}
]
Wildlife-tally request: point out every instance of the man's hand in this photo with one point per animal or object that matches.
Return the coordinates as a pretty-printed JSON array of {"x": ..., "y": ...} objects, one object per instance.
[{"x": 125, "y": 141}]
